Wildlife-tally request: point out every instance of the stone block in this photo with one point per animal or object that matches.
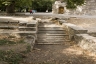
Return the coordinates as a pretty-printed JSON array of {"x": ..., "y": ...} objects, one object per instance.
[
  {"x": 62, "y": 21},
  {"x": 92, "y": 34},
  {"x": 72, "y": 29},
  {"x": 86, "y": 42},
  {"x": 32, "y": 23},
  {"x": 22, "y": 23}
]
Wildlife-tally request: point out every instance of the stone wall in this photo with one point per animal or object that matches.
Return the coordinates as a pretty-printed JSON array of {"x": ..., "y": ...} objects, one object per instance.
[
  {"x": 86, "y": 42},
  {"x": 90, "y": 7},
  {"x": 72, "y": 30},
  {"x": 80, "y": 36}
]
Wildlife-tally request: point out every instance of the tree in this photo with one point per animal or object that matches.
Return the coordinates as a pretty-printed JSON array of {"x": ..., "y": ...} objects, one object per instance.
[
  {"x": 42, "y": 5},
  {"x": 11, "y": 5},
  {"x": 72, "y": 4}
]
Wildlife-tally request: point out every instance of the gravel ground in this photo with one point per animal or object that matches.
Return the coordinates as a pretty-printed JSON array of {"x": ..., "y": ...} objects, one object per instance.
[{"x": 59, "y": 54}]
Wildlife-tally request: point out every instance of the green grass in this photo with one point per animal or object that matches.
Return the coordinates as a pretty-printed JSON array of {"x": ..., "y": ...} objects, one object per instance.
[
  {"x": 21, "y": 41},
  {"x": 10, "y": 57},
  {"x": 6, "y": 42},
  {"x": 28, "y": 48}
]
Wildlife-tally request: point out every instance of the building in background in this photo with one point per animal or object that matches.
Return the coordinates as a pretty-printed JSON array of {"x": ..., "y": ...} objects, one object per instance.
[{"x": 88, "y": 8}]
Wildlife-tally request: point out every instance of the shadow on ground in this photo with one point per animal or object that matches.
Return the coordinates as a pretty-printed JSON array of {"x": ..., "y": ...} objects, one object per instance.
[{"x": 59, "y": 54}]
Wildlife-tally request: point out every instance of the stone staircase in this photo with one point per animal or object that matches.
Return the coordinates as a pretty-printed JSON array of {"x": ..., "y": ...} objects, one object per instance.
[
  {"x": 15, "y": 26},
  {"x": 50, "y": 33},
  {"x": 20, "y": 29}
]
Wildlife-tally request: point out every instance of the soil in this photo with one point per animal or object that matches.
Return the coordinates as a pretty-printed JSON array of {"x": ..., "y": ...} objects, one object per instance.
[{"x": 68, "y": 53}]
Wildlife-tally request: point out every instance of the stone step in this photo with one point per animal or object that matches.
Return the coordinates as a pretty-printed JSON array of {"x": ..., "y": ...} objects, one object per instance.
[
  {"x": 22, "y": 27},
  {"x": 15, "y": 31},
  {"x": 50, "y": 28},
  {"x": 51, "y": 43},
  {"x": 4, "y": 22},
  {"x": 22, "y": 23},
  {"x": 27, "y": 28},
  {"x": 29, "y": 25},
  {"x": 13, "y": 27},
  {"x": 62, "y": 21},
  {"x": 51, "y": 32},
  {"x": 8, "y": 27},
  {"x": 51, "y": 36},
  {"x": 34, "y": 23},
  {"x": 14, "y": 21},
  {"x": 54, "y": 38},
  {"x": 41, "y": 26},
  {"x": 48, "y": 25},
  {"x": 9, "y": 21}
]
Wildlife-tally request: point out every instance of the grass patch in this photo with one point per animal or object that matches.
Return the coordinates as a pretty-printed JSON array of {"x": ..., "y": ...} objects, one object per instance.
[
  {"x": 28, "y": 48},
  {"x": 6, "y": 42},
  {"x": 21, "y": 41},
  {"x": 10, "y": 57}
]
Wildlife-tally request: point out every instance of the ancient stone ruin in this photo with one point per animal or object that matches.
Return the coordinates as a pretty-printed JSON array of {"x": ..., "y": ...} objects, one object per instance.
[{"x": 88, "y": 8}]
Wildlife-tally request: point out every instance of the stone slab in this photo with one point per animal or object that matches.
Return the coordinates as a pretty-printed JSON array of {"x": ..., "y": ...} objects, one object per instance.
[
  {"x": 62, "y": 21},
  {"x": 86, "y": 42},
  {"x": 72, "y": 29}
]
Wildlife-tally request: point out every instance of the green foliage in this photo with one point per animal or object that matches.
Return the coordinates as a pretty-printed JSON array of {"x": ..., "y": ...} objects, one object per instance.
[
  {"x": 42, "y": 5},
  {"x": 10, "y": 57},
  {"x": 39, "y": 5},
  {"x": 72, "y": 4},
  {"x": 7, "y": 42},
  {"x": 21, "y": 41},
  {"x": 28, "y": 48}
]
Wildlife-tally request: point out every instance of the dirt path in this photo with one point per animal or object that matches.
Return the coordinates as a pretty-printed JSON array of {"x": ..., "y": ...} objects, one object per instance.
[{"x": 59, "y": 54}]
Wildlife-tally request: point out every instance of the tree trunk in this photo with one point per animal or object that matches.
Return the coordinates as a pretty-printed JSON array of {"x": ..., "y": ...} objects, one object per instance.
[{"x": 11, "y": 8}]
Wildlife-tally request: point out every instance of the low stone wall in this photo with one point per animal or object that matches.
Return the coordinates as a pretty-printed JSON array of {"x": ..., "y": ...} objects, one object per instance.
[
  {"x": 81, "y": 37},
  {"x": 73, "y": 29},
  {"x": 92, "y": 34},
  {"x": 86, "y": 42},
  {"x": 19, "y": 28}
]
